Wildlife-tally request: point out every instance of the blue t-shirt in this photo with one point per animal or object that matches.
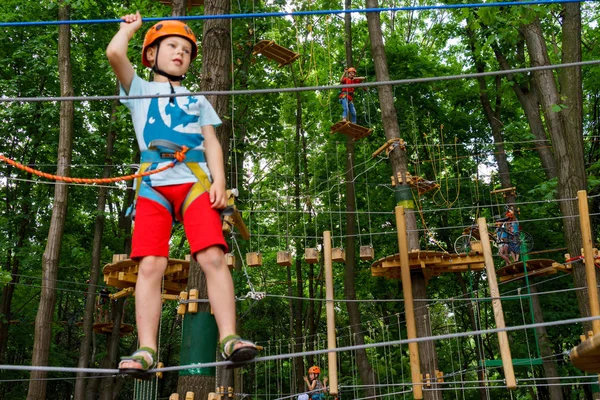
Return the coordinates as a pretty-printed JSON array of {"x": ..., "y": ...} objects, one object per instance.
[{"x": 179, "y": 122}]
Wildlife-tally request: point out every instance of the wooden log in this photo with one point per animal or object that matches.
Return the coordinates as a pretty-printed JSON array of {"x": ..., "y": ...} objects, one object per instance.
[
  {"x": 509, "y": 373},
  {"x": 409, "y": 308},
  {"x": 589, "y": 251},
  {"x": 330, "y": 311}
]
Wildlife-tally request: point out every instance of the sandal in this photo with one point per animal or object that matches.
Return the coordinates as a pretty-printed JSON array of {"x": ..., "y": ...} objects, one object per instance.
[
  {"x": 138, "y": 357},
  {"x": 244, "y": 353}
]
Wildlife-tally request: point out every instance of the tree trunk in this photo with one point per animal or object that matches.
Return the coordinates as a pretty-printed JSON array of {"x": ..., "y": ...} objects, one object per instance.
[
  {"x": 90, "y": 301},
  {"x": 493, "y": 115},
  {"x": 50, "y": 259},
  {"x": 216, "y": 75},
  {"x": 563, "y": 119},
  {"x": 298, "y": 304},
  {"x": 216, "y": 65},
  {"x": 367, "y": 375},
  {"x": 473, "y": 317},
  {"x": 23, "y": 229},
  {"x": 108, "y": 384},
  {"x": 550, "y": 367},
  {"x": 528, "y": 98},
  {"x": 201, "y": 385},
  {"x": 399, "y": 164}
]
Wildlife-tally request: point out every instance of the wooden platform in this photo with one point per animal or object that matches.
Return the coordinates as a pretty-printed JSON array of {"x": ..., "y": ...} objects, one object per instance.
[
  {"x": 273, "y": 51},
  {"x": 432, "y": 263},
  {"x": 123, "y": 274},
  {"x": 586, "y": 356},
  {"x": 107, "y": 327},
  {"x": 535, "y": 268},
  {"x": 416, "y": 182},
  {"x": 349, "y": 129}
]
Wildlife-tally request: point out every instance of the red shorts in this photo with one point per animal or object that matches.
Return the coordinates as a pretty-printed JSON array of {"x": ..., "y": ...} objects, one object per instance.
[{"x": 153, "y": 223}]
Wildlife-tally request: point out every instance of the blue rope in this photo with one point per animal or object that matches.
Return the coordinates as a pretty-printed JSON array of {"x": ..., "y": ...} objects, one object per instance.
[{"x": 301, "y": 13}]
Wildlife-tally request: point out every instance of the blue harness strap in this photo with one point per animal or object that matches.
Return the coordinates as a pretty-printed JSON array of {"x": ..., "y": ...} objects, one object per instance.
[{"x": 155, "y": 155}]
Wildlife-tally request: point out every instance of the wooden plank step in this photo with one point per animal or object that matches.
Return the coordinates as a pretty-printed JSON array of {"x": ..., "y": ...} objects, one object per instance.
[{"x": 352, "y": 130}]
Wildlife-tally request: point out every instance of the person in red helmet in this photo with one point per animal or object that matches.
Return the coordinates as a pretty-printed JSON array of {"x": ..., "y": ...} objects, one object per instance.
[
  {"x": 514, "y": 242},
  {"x": 316, "y": 389},
  {"x": 347, "y": 95},
  {"x": 177, "y": 130}
]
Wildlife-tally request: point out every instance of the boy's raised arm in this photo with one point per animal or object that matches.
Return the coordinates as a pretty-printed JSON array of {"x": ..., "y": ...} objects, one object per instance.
[{"x": 117, "y": 49}]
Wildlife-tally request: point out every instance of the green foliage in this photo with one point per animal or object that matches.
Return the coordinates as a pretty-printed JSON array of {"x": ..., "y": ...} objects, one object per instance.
[{"x": 292, "y": 179}]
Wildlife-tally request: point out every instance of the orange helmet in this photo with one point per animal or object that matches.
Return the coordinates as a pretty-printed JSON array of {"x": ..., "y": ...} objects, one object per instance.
[
  {"x": 314, "y": 370},
  {"x": 352, "y": 69},
  {"x": 168, "y": 28}
]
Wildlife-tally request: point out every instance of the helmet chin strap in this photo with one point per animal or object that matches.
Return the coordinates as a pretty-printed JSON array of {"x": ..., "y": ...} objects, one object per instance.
[{"x": 174, "y": 78}]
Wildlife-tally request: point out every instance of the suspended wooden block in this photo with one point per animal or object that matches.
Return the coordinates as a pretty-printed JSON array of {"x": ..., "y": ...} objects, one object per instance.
[
  {"x": 254, "y": 259},
  {"x": 367, "y": 253},
  {"x": 284, "y": 258},
  {"x": 174, "y": 396},
  {"x": 189, "y": 396},
  {"x": 439, "y": 375},
  {"x": 352, "y": 130},
  {"x": 230, "y": 260},
  {"x": 338, "y": 254},
  {"x": 193, "y": 307},
  {"x": 190, "y": 3},
  {"x": 159, "y": 365},
  {"x": 273, "y": 51},
  {"x": 311, "y": 255}
]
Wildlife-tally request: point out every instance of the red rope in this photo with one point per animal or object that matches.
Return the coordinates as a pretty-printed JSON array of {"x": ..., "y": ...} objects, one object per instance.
[{"x": 178, "y": 155}]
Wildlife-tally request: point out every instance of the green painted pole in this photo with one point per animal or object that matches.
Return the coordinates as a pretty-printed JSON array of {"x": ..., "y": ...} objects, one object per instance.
[
  {"x": 525, "y": 258},
  {"x": 199, "y": 343}
]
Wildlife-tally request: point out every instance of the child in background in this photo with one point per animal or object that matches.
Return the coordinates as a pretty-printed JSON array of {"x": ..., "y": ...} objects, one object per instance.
[
  {"x": 316, "y": 389},
  {"x": 192, "y": 192},
  {"x": 347, "y": 95}
]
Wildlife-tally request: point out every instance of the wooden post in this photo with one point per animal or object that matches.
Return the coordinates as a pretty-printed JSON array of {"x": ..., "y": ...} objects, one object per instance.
[
  {"x": 409, "y": 307},
  {"x": 509, "y": 372},
  {"x": 588, "y": 253},
  {"x": 331, "y": 357},
  {"x": 193, "y": 307}
]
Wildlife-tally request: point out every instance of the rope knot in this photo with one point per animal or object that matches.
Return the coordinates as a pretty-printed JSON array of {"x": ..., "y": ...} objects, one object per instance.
[{"x": 180, "y": 155}]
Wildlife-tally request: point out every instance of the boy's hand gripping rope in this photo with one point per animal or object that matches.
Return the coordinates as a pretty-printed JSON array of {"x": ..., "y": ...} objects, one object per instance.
[{"x": 178, "y": 156}]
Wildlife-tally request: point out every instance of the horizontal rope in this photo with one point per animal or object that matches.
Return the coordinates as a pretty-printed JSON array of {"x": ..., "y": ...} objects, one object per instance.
[
  {"x": 310, "y": 353},
  {"x": 300, "y": 13},
  {"x": 306, "y": 88}
]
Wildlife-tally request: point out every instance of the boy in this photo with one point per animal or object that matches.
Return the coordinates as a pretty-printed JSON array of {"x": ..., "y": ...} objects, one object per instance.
[
  {"x": 346, "y": 97},
  {"x": 193, "y": 191}
]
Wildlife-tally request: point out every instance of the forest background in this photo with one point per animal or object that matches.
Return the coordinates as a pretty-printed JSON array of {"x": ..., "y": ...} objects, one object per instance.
[{"x": 471, "y": 136}]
